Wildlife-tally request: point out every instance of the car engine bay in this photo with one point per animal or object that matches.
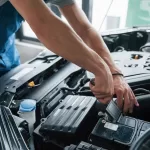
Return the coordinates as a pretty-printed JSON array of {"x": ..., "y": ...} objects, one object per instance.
[{"x": 67, "y": 115}]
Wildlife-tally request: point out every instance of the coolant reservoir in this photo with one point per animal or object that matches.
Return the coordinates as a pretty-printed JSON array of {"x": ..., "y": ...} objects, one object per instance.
[{"x": 27, "y": 111}]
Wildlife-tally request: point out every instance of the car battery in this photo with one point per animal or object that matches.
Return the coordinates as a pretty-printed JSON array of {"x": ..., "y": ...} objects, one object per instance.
[
  {"x": 68, "y": 121},
  {"x": 117, "y": 131},
  {"x": 83, "y": 146}
]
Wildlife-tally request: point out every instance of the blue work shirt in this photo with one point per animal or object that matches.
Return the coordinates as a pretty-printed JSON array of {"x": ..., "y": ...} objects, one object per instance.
[{"x": 10, "y": 22}]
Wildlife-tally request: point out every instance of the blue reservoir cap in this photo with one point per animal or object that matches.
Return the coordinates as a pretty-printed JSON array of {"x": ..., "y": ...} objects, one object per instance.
[{"x": 27, "y": 105}]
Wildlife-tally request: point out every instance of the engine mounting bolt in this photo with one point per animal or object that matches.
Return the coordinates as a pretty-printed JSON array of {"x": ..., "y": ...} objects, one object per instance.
[{"x": 103, "y": 121}]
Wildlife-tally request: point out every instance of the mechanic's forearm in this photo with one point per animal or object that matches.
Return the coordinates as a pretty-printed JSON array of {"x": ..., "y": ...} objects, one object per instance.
[
  {"x": 96, "y": 42},
  {"x": 67, "y": 44},
  {"x": 59, "y": 37}
]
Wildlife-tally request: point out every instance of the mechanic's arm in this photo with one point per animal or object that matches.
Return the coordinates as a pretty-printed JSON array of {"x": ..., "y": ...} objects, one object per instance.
[
  {"x": 84, "y": 29},
  {"x": 62, "y": 40},
  {"x": 78, "y": 20},
  {"x": 56, "y": 35}
]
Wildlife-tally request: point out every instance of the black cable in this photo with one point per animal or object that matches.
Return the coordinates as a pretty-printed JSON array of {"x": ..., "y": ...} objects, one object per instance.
[
  {"x": 143, "y": 47},
  {"x": 79, "y": 83},
  {"x": 105, "y": 15},
  {"x": 141, "y": 90},
  {"x": 119, "y": 48}
]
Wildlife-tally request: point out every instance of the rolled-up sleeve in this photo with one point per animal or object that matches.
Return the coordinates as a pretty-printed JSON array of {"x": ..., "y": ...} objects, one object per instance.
[{"x": 62, "y": 3}]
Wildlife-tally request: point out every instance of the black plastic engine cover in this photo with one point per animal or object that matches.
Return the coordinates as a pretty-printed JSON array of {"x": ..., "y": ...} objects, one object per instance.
[
  {"x": 134, "y": 65},
  {"x": 69, "y": 115},
  {"x": 69, "y": 123},
  {"x": 15, "y": 82},
  {"x": 10, "y": 136}
]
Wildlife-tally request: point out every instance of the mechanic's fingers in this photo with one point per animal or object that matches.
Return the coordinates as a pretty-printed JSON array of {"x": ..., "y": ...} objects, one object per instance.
[
  {"x": 105, "y": 100},
  {"x": 119, "y": 95},
  {"x": 131, "y": 100},
  {"x": 134, "y": 99},
  {"x": 92, "y": 81},
  {"x": 131, "y": 106},
  {"x": 97, "y": 91},
  {"x": 102, "y": 96},
  {"x": 126, "y": 103}
]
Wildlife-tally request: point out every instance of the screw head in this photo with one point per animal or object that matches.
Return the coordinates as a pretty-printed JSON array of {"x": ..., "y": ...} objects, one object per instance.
[{"x": 103, "y": 121}]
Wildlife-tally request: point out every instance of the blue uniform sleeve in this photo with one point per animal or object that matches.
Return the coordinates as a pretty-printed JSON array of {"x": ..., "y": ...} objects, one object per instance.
[{"x": 62, "y": 3}]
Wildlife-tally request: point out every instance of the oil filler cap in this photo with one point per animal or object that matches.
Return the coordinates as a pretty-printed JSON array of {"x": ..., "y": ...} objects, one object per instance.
[{"x": 136, "y": 56}]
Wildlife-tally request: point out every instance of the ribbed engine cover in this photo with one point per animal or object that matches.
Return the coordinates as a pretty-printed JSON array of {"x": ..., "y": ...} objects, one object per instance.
[{"x": 69, "y": 115}]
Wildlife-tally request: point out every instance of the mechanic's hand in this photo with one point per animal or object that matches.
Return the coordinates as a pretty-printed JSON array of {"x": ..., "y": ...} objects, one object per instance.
[
  {"x": 103, "y": 88},
  {"x": 125, "y": 97}
]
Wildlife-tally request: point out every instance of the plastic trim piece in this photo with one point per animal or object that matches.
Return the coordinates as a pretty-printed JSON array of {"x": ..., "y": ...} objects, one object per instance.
[
  {"x": 142, "y": 141},
  {"x": 10, "y": 137},
  {"x": 69, "y": 115},
  {"x": 12, "y": 87}
]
